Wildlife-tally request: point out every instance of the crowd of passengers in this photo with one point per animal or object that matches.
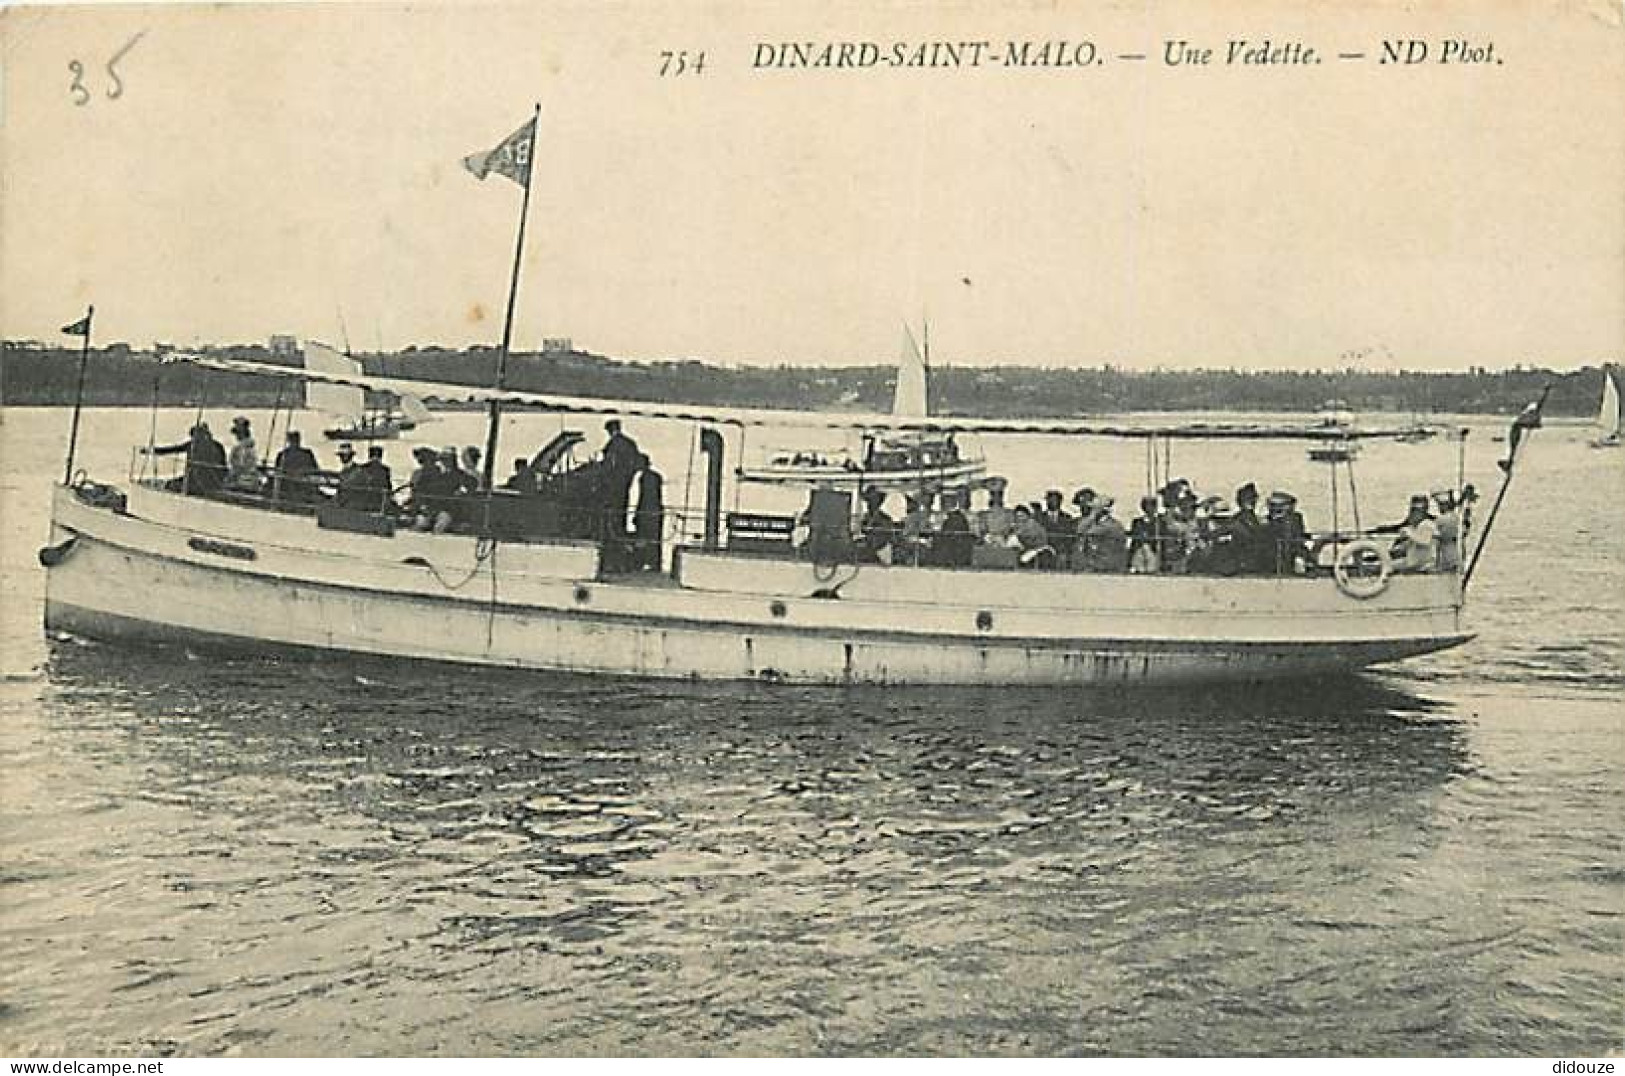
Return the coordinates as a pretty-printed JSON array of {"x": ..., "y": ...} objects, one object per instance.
[
  {"x": 443, "y": 493},
  {"x": 1176, "y": 531}
]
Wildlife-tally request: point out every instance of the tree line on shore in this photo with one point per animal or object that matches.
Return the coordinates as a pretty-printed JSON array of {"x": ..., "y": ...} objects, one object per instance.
[{"x": 36, "y": 374}]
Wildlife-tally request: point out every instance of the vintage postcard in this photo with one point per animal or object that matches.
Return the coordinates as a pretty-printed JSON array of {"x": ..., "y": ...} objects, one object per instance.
[{"x": 793, "y": 529}]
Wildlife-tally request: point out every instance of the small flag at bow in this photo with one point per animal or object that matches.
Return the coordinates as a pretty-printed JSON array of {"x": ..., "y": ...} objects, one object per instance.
[
  {"x": 78, "y": 328},
  {"x": 1528, "y": 419},
  {"x": 511, "y": 158}
]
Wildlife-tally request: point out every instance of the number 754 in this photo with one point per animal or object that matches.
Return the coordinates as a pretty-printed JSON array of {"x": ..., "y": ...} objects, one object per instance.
[{"x": 681, "y": 62}]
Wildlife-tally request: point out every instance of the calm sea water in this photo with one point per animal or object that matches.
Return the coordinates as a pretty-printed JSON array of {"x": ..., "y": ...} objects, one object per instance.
[{"x": 315, "y": 858}]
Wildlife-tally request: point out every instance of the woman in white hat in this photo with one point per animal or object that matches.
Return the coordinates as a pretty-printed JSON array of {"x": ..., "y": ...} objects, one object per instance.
[
  {"x": 1446, "y": 531},
  {"x": 243, "y": 462}
]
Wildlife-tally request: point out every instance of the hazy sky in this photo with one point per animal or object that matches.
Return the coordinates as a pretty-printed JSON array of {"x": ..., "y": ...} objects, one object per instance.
[{"x": 263, "y": 169}]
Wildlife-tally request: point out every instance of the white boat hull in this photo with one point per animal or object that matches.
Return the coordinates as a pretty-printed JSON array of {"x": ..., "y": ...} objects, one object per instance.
[{"x": 121, "y": 577}]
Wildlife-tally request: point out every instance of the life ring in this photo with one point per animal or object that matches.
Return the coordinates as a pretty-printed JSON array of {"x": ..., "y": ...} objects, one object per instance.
[{"x": 1360, "y": 556}]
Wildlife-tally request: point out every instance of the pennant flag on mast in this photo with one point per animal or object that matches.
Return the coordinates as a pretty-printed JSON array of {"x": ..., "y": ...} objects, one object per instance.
[
  {"x": 511, "y": 158},
  {"x": 78, "y": 328},
  {"x": 1528, "y": 419}
]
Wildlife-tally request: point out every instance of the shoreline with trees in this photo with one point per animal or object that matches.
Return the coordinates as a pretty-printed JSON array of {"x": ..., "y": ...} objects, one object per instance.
[{"x": 34, "y": 374}]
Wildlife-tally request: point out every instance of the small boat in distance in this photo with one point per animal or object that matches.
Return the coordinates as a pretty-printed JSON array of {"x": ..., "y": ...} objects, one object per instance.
[
  {"x": 358, "y": 422},
  {"x": 1337, "y": 422},
  {"x": 902, "y": 461},
  {"x": 1610, "y": 423},
  {"x": 1417, "y": 433}
]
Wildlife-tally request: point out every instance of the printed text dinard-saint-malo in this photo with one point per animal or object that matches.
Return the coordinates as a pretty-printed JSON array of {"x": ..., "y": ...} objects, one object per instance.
[{"x": 1083, "y": 52}]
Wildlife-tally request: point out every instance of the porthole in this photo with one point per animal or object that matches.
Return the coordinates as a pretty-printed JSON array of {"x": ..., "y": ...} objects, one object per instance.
[
  {"x": 583, "y": 595},
  {"x": 984, "y": 621},
  {"x": 778, "y": 609}
]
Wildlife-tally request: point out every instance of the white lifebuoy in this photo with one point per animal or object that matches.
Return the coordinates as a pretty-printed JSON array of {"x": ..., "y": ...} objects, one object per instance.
[{"x": 1362, "y": 555}]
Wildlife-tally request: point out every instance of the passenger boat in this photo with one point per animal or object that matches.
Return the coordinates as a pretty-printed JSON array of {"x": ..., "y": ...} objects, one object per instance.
[
  {"x": 526, "y": 585},
  {"x": 346, "y": 402},
  {"x": 888, "y": 460},
  {"x": 537, "y": 578},
  {"x": 1610, "y": 421}
]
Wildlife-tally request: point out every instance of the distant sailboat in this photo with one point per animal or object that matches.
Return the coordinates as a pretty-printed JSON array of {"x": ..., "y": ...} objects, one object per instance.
[
  {"x": 896, "y": 461},
  {"x": 348, "y": 403},
  {"x": 1609, "y": 421}
]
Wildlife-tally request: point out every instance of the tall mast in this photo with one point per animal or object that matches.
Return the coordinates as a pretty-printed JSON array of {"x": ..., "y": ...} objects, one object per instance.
[
  {"x": 81, "y": 329},
  {"x": 495, "y": 418},
  {"x": 925, "y": 356}
]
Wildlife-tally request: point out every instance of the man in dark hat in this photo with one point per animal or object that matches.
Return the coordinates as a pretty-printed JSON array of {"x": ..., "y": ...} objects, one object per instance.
[
  {"x": 1102, "y": 541},
  {"x": 1060, "y": 527},
  {"x": 363, "y": 487},
  {"x": 205, "y": 469},
  {"x": 620, "y": 460},
  {"x": 952, "y": 546},
  {"x": 456, "y": 488},
  {"x": 1145, "y": 539},
  {"x": 649, "y": 516},
  {"x": 1287, "y": 533},
  {"x": 523, "y": 479},
  {"x": 296, "y": 472},
  {"x": 877, "y": 531},
  {"x": 350, "y": 493},
  {"x": 379, "y": 482},
  {"x": 426, "y": 484},
  {"x": 1250, "y": 542}
]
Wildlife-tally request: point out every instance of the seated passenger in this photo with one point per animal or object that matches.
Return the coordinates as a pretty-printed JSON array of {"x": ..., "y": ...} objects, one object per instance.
[
  {"x": 352, "y": 489},
  {"x": 424, "y": 501},
  {"x": 952, "y": 546},
  {"x": 1145, "y": 539},
  {"x": 1251, "y": 546},
  {"x": 205, "y": 470},
  {"x": 1061, "y": 527},
  {"x": 1447, "y": 531},
  {"x": 296, "y": 472},
  {"x": 379, "y": 482},
  {"x": 1179, "y": 537},
  {"x": 1414, "y": 550},
  {"x": 1032, "y": 541},
  {"x": 877, "y": 531},
  {"x": 453, "y": 489},
  {"x": 471, "y": 467},
  {"x": 994, "y": 524},
  {"x": 1102, "y": 541},
  {"x": 1214, "y": 552},
  {"x": 243, "y": 464},
  {"x": 1084, "y": 501},
  {"x": 523, "y": 479},
  {"x": 913, "y": 538},
  {"x": 1287, "y": 533}
]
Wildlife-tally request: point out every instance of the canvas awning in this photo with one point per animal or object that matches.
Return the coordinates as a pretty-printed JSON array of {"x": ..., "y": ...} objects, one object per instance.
[{"x": 826, "y": 420}]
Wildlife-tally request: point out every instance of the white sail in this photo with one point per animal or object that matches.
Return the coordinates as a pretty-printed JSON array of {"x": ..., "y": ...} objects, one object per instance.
[
  {"x": 344, "y": 401},
  {"x": 1608, "y": 415},
  {"x": 910, "y": 398},
  {"x": 413, "y": 408}
]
